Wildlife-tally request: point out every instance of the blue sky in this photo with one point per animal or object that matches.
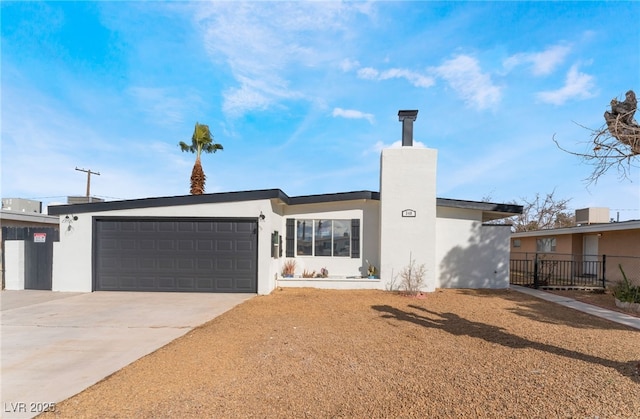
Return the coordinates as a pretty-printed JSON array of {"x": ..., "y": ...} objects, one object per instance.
[{"x": 303, "y": 96}]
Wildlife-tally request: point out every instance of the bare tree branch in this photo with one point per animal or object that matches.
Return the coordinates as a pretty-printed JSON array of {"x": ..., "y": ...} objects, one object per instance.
[
  {"x": 616, "y": 144},
  {"x": 540, "y": 213}
]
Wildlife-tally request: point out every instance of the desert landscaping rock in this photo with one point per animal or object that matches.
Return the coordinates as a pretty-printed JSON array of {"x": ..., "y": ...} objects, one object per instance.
[{"x": 374, "y": 354}]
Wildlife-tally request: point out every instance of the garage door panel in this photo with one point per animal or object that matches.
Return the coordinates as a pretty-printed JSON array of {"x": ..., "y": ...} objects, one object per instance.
[
  {"x": 205, "y": 264},
  {"x": 176, "y": 255},
  {"x": 244, "y": 246},
  {"x": 146, "y": 282},
  {"x": 224, "y": 245},
  {"x": 185, "y": 283},
  {"x": 166, "y": 245},
  {"x": 127, "y": 282},
  {"x": 244, "y": 265},
  {"x": 147, "y": 244},
  {"x": 166, "y": 283},
  {"x": 186, "y": 264},
  {"x": 224, "y": 265},
  {"x": 204, "y": 245},
  {"x": 166, "y": 264},
  {"x": 188, "y": 245},
  {"x": 224, "y": 283},
  {"x": 243, "y": 284},
  {"x": 224, "y": 227},
  {"x": 110, "y": 281},
  {"x": 108, "y": 244},
  {"x": 166, "y": 226},
  {"x": 186, "y": 226},
  {"x": 146, "y": 226}
]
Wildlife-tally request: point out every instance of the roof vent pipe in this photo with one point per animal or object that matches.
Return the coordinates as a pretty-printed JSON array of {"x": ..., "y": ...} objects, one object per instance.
[{"x": 407, "y": 118}]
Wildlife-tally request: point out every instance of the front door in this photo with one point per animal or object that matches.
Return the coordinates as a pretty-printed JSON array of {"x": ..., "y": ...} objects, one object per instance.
[{"x": 590, "y": 254}]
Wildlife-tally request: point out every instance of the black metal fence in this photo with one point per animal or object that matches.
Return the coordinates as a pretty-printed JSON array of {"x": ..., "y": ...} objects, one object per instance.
[{"x": 558, "y": 270}]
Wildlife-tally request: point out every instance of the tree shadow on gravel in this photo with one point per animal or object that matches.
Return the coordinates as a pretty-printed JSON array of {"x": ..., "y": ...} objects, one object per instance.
[
  {"x": 547, "y": 312},
  {"x": 458, "y": 326}
]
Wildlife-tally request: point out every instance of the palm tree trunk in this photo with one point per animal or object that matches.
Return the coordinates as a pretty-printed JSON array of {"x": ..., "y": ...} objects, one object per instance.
[{"x": 198, "y": 178}]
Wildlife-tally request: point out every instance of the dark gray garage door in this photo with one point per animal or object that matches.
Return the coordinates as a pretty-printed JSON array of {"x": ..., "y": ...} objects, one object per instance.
[{"x": 191, "y": 255}]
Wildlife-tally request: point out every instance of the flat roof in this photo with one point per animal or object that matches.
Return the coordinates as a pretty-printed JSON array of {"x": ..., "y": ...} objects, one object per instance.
[
  {"x": 254, "y": 195},
  {"x": 29, "y": 217},
  {"x": 592, "y": 228}
]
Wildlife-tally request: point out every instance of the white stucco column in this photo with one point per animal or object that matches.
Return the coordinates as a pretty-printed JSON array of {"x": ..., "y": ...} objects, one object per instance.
[
  {"x": 408, "y": 212},
  {"x": 14, "y": 271}
]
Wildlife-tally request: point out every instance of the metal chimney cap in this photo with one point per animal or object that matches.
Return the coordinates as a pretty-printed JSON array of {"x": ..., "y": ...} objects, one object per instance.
[{"x": 406, "y": 114}]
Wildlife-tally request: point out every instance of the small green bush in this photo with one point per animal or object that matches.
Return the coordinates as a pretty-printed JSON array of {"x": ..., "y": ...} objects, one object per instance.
[{"x": 625, "y": 291}]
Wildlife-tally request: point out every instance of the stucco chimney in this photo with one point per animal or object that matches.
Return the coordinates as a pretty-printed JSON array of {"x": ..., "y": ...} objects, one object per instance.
[{"x": 407, "y": 118}]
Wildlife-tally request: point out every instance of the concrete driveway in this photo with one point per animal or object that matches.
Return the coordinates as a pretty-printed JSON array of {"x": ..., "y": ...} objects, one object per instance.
[{"x": 55, "y": 345}]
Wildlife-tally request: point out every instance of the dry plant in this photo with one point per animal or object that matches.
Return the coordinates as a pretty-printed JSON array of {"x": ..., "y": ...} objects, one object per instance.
[
  {"x": 392, "y": 284},
  {"x": 412, "y": 277},
  {"x": 289, "y": 268},
  {"x": 308, "y": 274},
  {"x": 616, "y": 143}
]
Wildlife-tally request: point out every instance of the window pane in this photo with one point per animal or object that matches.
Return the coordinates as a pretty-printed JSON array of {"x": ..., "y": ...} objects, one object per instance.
[
  {"x": 304, "y": 234},
  {"x": 323, "y": 237},
  {"x": 341, "y": 238},
  {"x": 546, "y": 245}
]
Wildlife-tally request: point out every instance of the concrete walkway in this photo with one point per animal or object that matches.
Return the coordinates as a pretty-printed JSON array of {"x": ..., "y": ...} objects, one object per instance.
[
  {"x": 613, "y": 316},
  {"x": 54, "y": 345}
]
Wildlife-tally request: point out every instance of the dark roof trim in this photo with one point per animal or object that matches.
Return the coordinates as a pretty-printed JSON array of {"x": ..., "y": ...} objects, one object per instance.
[
  {"x": 215, "y": 198},
  {"x": 334, "y": 197},
  {"x": 482, "y": 206},
  {"x": 169, "y": 201}
]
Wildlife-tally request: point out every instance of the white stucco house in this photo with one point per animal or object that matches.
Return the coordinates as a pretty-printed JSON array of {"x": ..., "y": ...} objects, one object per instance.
[{"x": 239, "y": 241}]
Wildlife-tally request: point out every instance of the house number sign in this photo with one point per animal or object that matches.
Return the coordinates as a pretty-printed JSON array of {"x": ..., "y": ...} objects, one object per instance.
[{"x": 408, "y": 213}]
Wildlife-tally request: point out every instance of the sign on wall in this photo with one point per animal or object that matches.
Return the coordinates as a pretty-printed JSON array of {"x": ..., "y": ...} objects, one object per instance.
[
  {"x": 409, "y": 213},
  {"x": 39, "y": 237}
]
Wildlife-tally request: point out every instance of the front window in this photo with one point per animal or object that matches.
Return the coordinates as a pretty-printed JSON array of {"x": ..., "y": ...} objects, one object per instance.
[
  {"x": 305, "y": 237},
  {"x": 546, "y": 245},
  {"x": 323, "y": 238}
]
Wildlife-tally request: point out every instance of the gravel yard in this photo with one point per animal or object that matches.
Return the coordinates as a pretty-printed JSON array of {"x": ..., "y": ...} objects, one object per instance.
[{"x": 370, "y": 354}]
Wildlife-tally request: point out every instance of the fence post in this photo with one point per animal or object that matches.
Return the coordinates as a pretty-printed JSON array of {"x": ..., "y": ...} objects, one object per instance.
[
  {"x": 535, "y": 272},
  {"x": 604, "y": 270}
]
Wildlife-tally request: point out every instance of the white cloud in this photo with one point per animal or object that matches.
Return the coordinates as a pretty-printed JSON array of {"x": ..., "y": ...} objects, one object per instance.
[
  {"x": 542, "y": 63},
  {"x": 162, "y": 105},
  {"x": 379, "y": 146},
  {"x": 348, "y": 65},
  {"x": 368, "y": 73},
  {"x": 464, "y": 75},
  {"x": 352, "y": 114},
  {"x": 577, "y": 86},
  {"x": 412, "y": 77},
  {"x": 266, "y": 44}
]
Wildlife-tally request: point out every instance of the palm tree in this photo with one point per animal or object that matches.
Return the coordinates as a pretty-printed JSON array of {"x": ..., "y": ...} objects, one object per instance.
[{"x": 201, "y": 141}]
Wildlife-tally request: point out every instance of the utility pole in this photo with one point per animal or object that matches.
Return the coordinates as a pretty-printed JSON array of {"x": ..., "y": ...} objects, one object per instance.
[{"x": 89, "y": 173}]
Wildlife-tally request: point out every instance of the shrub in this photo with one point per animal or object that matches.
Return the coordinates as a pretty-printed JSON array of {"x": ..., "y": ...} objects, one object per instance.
[
  {"x": 625, "y": 291},
  {"x": 412, "y": 277}
]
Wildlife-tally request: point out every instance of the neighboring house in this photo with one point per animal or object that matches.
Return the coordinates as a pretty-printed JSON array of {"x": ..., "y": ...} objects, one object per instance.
[
  {"x": 26, "y": 240},
  {"x": 239, "y": 241},
  {"x": 618, "y": 242}
]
